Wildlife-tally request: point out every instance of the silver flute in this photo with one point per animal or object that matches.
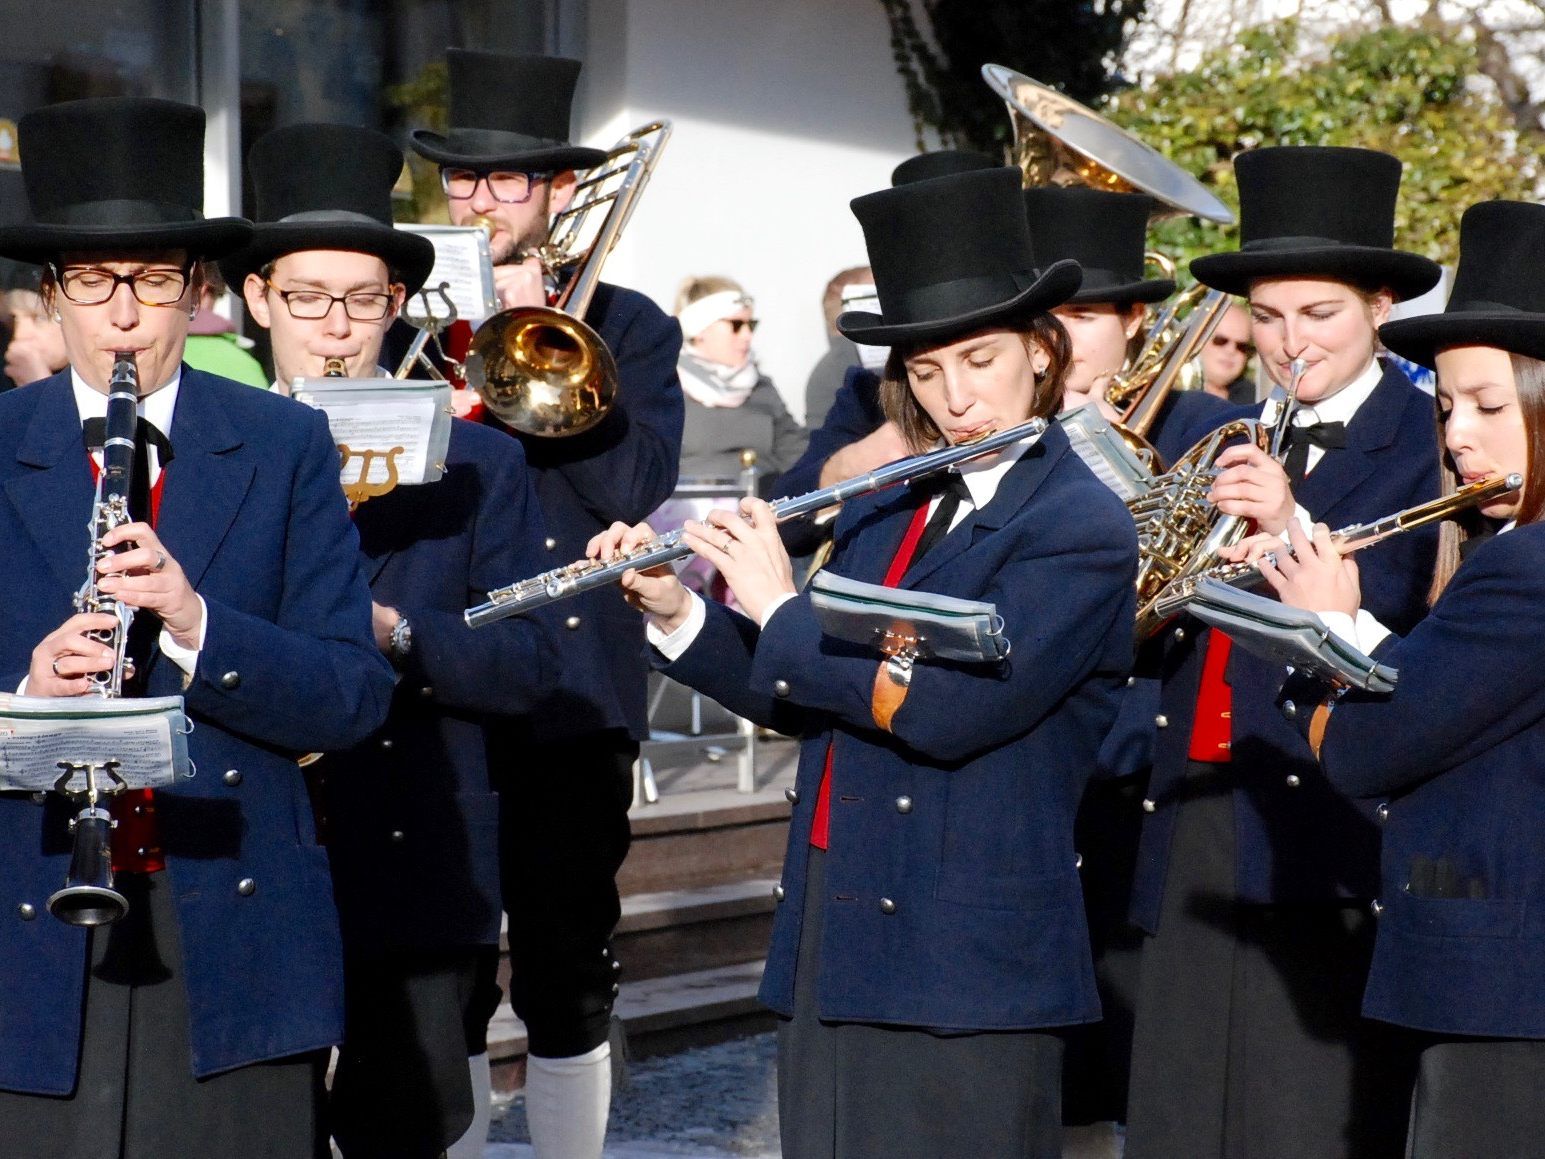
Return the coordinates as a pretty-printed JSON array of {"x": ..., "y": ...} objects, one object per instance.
[{"x": 588, "y": 574}]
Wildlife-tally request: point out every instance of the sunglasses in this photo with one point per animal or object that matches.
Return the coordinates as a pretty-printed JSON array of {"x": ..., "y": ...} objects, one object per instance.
[
  {"x": 1245, "y": 348},
  {"x": 738, "y": 324}
]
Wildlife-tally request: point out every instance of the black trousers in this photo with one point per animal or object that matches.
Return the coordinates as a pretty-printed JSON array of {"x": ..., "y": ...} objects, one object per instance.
[
  {"x": 857, "y": 1091},
  {"x": 563, "y": 834},
  {"x": 1479, "y": 1096},
  {"x": 1249, "y": 1040},
  {"x": 401, "y": 1089},
  {"x": 136, "y": 1097}
]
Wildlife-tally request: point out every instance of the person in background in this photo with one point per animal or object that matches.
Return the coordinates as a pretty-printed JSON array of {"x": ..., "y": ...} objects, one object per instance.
[
  {"x": 842, "y": 355},
  {"x": 732, "y": 407},
  {"x": 1226, "y": 358},
  {"x": 213, "y": 343},
  {"x": 36, "y": 349}
]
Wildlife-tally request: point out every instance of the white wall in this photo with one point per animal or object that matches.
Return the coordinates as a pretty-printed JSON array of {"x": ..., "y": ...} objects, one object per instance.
[{"x": 784, "y": 110}]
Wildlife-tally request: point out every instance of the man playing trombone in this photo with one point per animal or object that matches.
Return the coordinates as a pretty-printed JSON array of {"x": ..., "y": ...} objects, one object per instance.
[{"x": 565, "y": 771}]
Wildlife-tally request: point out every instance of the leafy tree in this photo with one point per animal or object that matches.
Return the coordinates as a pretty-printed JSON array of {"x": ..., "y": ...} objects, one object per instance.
[
  {"x": 1073, "y": 45},
  {"x": 1405, "y": 90}
]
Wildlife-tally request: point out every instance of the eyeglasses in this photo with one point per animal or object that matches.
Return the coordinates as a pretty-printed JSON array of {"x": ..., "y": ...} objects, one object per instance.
[
  {"x": 92, "y": 285},
  {"x": 314, "y": 305},
  {"x": 738, "y": 324},
  {"x": 1245, "y": 348},
  {"x": 507, "y": 187}
]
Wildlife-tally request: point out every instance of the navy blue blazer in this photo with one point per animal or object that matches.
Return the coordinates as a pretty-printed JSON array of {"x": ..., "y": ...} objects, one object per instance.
[
  {"x": 1298, "y": 839},
  {"x": 1454, "y": 763},
  {"x": 621, "y": 469},
  {"x": 252, "y": 510},
  {"x": 413, "y": 822},
  {"x": 954, "y": 893}
]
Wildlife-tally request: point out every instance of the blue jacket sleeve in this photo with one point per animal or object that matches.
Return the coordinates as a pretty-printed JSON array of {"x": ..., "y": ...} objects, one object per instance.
[
  {"x": 626, "y": 466},
  {"x": 504, "y": 667},
  {"x": 1059, "y": 599},
  {"x": 855, "y": 413},
  {"x": 313, "y": 677},
  {"x": 1468, "y": 677}
]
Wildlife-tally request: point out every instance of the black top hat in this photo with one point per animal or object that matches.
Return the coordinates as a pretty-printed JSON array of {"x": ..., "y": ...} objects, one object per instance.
[
  {"x": 328, "y": 187},
  {"x": 1105, "y": 233},
  {"x": 940, "y": 163},
  {"x": 508, "y": 112},
  {"x": 1498, "y": 297},
  {"x": 1318, "y": 212},
  {"x": 116, "y": 173},
  {"x": 952, "y": 255}
]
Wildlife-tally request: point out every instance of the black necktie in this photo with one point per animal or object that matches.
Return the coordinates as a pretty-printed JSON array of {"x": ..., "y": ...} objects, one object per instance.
[
  {"x": 952, "y": 490},
  {"x": 146, "y": 435},
  {"x": 1326, "y": 436}
]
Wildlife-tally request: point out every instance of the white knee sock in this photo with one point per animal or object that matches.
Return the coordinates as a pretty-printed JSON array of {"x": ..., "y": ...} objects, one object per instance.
[
  {"x": 475, "y": 1141},
  {"x": 567, "y": 1101}
]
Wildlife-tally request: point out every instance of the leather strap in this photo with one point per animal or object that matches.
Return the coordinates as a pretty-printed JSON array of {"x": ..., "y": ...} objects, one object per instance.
[
  {"x": 1317, "y": 725},
  {"x": 892, "y": 681}
]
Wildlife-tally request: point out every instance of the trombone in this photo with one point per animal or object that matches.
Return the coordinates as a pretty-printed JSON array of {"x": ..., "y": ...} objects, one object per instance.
[{"x": 540, "y": 369}]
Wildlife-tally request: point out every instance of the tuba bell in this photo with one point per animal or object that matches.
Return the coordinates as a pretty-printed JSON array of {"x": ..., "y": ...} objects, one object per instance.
[
  {"x": 540, "y": 369},
  {"x": 1057, "y": 141}
]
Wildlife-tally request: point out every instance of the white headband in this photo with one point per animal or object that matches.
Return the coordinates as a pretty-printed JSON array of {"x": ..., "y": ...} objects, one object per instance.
[{"x": 695, "y": 317}]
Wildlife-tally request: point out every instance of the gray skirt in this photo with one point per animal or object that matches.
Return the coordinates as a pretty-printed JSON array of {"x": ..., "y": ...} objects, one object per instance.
[
  {"x": 136, "y": 1097},
  {"x": 862, "y": 1091}
]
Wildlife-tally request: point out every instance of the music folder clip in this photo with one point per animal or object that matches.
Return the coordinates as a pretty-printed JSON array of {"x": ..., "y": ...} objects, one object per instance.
[{"x": 1267, "y": 628}]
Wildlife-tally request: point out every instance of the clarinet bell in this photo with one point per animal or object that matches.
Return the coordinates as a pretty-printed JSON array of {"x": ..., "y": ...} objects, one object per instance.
[{"x": 88, "y": 897}]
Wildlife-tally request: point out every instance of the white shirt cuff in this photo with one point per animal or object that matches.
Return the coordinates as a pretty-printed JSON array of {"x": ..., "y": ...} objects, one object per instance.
[
  {"x": 186, "y": 658},
  {"x": 672, "y": 645},
  {"x": 774, "y": 606},
  {"x": 1304, "y": 520},
  {"x": 1364, "y": 633}
]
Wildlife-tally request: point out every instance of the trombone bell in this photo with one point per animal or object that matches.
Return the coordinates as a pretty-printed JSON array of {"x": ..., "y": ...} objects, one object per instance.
[{"x": 542, "y": 372}]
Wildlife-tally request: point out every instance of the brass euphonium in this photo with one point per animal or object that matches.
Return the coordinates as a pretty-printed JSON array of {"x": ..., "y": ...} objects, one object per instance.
[
  {"x": 541, "y": 369},
  {"x": 1057, "y": 141}
]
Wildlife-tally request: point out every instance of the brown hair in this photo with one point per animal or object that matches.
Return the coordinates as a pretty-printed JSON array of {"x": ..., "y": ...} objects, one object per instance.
[
  {"x": 902, "y": 408},
  {"x": 1529, "y": 377},
  {"x": 700, "y": 287}
]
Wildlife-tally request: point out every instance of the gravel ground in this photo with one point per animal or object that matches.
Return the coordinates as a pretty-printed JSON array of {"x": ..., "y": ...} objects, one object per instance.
[{"x": 713, "y": 1101}]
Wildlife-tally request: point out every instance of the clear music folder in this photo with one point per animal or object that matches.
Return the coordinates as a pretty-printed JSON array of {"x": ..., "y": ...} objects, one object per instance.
[
  {"x": 463, "y": 266},
  {"x": 921, "y": 625},
  {"x": 1270, "y": 629},
  {"x": 147, "y": 737},
  {"x": 388, "y": 430},
  {"x": 1105, "y": 452}
]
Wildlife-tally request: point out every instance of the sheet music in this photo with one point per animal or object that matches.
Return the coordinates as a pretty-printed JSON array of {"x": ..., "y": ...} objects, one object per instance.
[
  {"x": 1104, "y": 452},
  {"x": 147, "y": 737},
  {"x": 372, "y": 417},
  {"x": 381, "y": 426},
  {"x": 462, "y": 261}
]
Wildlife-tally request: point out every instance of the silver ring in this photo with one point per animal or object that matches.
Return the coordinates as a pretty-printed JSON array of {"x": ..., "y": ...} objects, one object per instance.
[
  {"x": 55, "y": 667},
  {"x": 729, "y": 541},
  {"x": 160, "y": 561}
]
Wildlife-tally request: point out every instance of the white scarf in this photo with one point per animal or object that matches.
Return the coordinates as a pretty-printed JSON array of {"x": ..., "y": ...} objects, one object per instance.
[{"x": 713, "y": 384}]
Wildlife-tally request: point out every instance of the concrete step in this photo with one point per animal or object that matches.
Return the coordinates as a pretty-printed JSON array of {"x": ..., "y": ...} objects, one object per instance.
[
  {"x": 728, "y": 841},
  {"x": 685, "y": 930},
  {"x": 661, "y": 1015}
]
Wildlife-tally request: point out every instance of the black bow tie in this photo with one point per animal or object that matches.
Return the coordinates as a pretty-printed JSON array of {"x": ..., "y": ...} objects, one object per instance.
[
  {"x": 1298, "y": 440},
  {"x": 94, "y": 434},
  {"x": 1326, "y": 436},
  {"x": 146, "y": 435}
]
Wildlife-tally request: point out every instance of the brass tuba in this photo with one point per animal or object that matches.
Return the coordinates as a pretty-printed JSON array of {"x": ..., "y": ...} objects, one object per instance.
[
  {"x": 541, "y": 369},
  {"x": 1058, "y": 141}
]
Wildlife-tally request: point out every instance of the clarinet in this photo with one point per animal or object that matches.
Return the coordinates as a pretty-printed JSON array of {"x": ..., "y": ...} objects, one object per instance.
[
  {"x": 588, "y": 574},
  {"x": 88, "y": 897}
]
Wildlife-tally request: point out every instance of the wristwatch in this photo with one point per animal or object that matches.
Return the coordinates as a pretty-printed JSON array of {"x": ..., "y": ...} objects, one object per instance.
[{"x": 400, "y": 644}]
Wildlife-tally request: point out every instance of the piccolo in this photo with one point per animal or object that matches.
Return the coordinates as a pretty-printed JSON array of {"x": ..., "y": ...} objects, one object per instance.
[
  {"x": 1348, "y": 539},
  {"x": 588, "y": 574}
]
